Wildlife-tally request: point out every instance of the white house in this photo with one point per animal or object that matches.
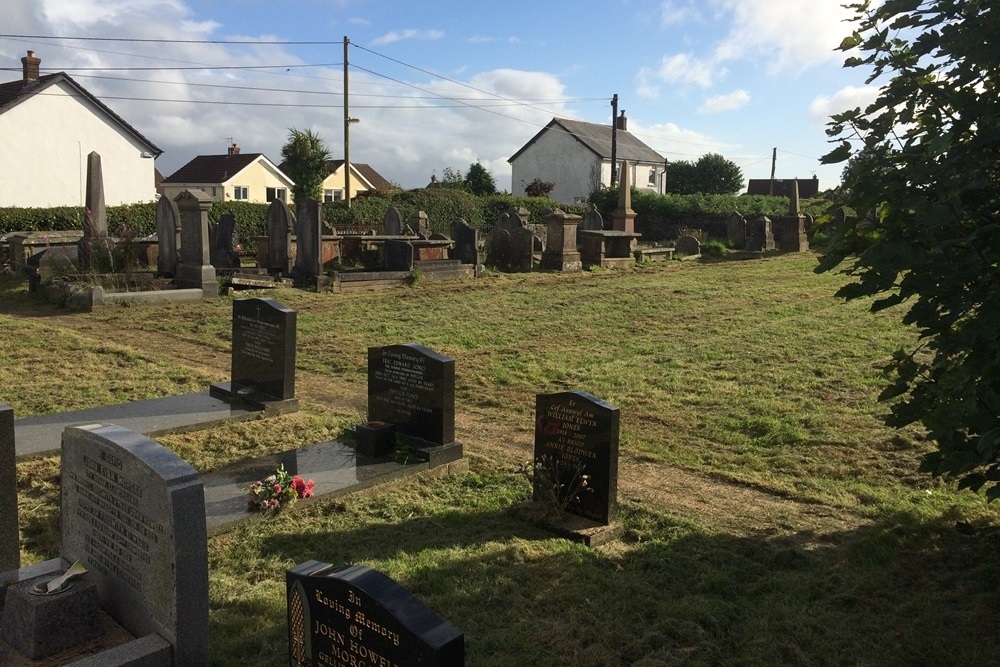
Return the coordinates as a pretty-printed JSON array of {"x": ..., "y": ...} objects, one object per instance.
[
  {"x": 236, "y": 176},
  {"x": 48, "y": 126},
  {"x": 576, "y": 157}
]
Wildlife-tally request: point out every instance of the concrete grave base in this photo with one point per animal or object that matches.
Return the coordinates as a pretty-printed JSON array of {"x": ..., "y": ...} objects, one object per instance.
[{"x": 573, "y": 528}]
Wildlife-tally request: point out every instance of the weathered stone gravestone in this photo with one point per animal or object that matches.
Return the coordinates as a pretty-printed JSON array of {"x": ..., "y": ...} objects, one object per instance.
[
  {"x": 397, "y": 255},
  {"x": 760, "y": 237},
  {"x": 466, "y": 238},
  {"x": 412, "y": 388},
  {"x": 95, "y": 242},
  {"x": 280, "y": 229},
  {"x": 168, "y": 237},
  {"x": 10, "y": 542},
  {"x": 736, "y": 229},
  {"x": 561, "y": 252},
  {"x": 226, "y": 243},
  {"x": 308, "y": 240},
  {"x": 419, "y": 222},
  {"x": 195, "y": 269},
  {"x": 517, "y": 215},
  {"x": 392, "y": 223},
  {"x": 688, "y": 246},
  {"x": 592, "y": 220},
  {"x": 134, "y": 514},
  {"x": 499, "y": 249},
  {"x": 263, "y": 356},
  {"x": 576, "y": 434},
  {"x": 352, "y": 615}
]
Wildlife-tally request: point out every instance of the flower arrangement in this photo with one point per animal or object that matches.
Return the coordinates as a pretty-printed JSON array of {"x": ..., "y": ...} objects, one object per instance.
[{"x": 275, "y": 491}]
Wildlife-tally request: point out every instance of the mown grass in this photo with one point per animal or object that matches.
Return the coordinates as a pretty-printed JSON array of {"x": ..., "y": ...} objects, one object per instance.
[{"x": 749, "y": 378}]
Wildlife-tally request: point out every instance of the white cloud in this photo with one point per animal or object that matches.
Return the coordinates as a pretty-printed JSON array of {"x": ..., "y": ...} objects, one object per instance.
[
  {"x": 401, "y": 35},
  {"x": 844, "y": 99},
  {"x": 727, "y": 102},
  {"x": 790, "y": 35},
  {"x": 675, "y": 13},
  {"x": 683, "y": 68}
]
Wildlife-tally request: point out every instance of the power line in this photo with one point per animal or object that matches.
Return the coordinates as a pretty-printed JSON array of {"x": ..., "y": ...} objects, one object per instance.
[
  {"x": 195, "y": 67},
  {"x": 173, "y": 41}
]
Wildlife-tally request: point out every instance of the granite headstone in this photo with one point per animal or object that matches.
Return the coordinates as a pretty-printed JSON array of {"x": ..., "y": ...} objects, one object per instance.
[
  {"x": 466, "y": 242},
  {"x": 351, "y": 615},
  {"x": 392, "y": 223},
  {"x": 263, "y": 357},
  {"x": 168, "y": 236},
  {"x": 577, "y": 434},
  {"x": 397, "y": 255},
  {"x": 413, "y": 388},
  {"x": 280, "y": 229}
]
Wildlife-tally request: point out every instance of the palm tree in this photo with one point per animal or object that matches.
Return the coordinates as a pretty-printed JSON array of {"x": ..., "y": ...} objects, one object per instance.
[{"x": 305, "y": 160}]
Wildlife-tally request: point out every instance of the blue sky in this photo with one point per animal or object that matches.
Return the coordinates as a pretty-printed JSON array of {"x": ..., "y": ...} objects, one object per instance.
[{"x": 446, "y": 84}]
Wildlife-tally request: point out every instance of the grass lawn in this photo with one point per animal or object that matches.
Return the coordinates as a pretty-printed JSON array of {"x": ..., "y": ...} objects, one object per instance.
[{"x": 770, "y": 517}]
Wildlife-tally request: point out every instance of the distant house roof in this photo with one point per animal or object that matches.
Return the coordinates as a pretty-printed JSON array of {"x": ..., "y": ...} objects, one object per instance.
[
  {"x": 597, "y": 138},
  {"x": 213, "y": 168},
  {"x": 374, "y": 179},
  {"x": 13, "y": 93},
  {"x": 808, "y": 187}
]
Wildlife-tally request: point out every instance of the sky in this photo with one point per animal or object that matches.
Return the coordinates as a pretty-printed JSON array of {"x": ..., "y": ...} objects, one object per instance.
[{"x": 436, "y": 85}]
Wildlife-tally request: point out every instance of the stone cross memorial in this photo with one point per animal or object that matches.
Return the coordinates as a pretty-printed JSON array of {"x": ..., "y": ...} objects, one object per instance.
[
  {"x": 352, "y": 615},
  {"x": 577, "y": 434},
  {"x": 134, "y": 514}
]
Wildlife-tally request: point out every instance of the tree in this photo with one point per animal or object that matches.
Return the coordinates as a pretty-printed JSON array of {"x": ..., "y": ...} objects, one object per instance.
[
  {"x": 538, "y": 188},
  {"x": 479, "y": 181},
  {"x": 712, "y": 174},
  {"x": 928, "y": 188},
  {"x": 305, "y": 159}
]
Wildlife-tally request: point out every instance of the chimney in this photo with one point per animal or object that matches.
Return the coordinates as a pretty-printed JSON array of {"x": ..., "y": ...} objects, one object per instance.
[
  {"x": 234, "y": 150},
  {"x": 29, "y": 65},
  {"x": 622, "y": 122}
]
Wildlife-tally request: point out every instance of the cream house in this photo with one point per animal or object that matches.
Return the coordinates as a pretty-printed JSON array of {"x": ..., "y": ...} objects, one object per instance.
[
  {"x": 576, "y": 157},
  {"x": 363, "y": 179},
  {"x": 48, "y": 126},
  {"x": 236, "y": 176}
]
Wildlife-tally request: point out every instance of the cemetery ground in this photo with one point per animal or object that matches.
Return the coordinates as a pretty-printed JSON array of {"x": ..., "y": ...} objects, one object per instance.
[{"x": 769, "y": 516}]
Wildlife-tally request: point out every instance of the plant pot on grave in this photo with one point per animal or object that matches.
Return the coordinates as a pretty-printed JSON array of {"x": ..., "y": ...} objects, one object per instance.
[{"x": 375, "y": 439}]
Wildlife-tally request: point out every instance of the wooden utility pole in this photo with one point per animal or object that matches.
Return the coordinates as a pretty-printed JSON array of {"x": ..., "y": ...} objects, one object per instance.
[
  {"x": 347, "y": 131},
  {"x": 614, "y": 140},
  {"x": 774, "y": 160}
]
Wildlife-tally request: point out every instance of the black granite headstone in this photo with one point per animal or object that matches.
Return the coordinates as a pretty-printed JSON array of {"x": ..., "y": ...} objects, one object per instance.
[
  {"x": 264, "y": 347},
  {"x": 352, "y": 615},
  {"x": 576, "y": 431},
  {"x": 413, "y": 388},
  {"x": 398, "y": 255},
  {"x": 226, "y": 243}
]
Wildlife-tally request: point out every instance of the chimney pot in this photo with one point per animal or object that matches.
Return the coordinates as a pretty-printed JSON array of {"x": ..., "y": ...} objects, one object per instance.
[
  {"x": 234, "y": 150},
  {"x": 30, "y": 66},
  {"x": 623, "y": 121}
]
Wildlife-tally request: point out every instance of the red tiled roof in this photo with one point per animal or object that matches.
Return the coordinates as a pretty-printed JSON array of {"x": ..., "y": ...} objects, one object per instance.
[{"x": 212, "y": 169}]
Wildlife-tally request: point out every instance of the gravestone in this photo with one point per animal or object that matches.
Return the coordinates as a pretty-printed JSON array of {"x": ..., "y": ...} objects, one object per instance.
[
  {"x": 226, "y": 243},
  {"x": 736, "y": 230},
  {"x": 760, "y": 237},
  {"x": 352, "y": 615},
  {"x": 263, "y": 356},
  {"x": 168, "y": 237},
  {"x": 518, "y": 215},
  {"x": 592, "y": 220},
  {"x": 418, "y": 221},
  {"x": 624, "y": 217},
  {"x": 308, "y": 239},
  {"x": 688, "y": 246},
  {"x": 561, "y": 252},
  {"x": 280, "y": 229},
  {"x": 95, "y": 222},
  {"x": 466, "y": 238},
  {"x": 392, "y": 223},
  {"x": 499, "y": 249},
  {"x": 413, "y": 388},
  {"x": 577, "y": 434},
  {"x": 195, "y": 269},
  {"x": 397, "y": 255},
  {"x": 10, "y": 542},
  {"x": 134, "y": 514}
]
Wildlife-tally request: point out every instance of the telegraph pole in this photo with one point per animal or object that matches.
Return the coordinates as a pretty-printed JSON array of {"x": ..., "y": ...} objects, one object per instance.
[
  {"x": 347, "y": 131},
  {"x": 774, "y": 160},
  {"x": 614, "y": 140}
]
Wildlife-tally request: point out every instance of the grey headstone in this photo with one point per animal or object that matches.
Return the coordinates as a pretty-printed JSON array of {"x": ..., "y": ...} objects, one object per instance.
[
  {"x": 519, "y": 214},
  {"x": 392, "y": 223},
  {"x": 509, "y": 222},
  {"x": 466, "y": 242},
  {"x": 95, "y": 221},
  {"x": 499, "y": 249},
  {"x": 308, "y": 238},
  {"x": 522, "y": 244},
  {"x": 195, "y": 269},
  {"x": 263, "y": 357},
  {"x": 577, "y": 434},
  {"x": 412, "y": 387},
  {"x": 688, "y": 246},
  {"x": 134, "y": 513},
  {"x": 592, "y": 220},
  {"x": 736, "y": 229},
  {"x": 224, "y": 246},
  {"x": 352, "y": 615},
  {"x": 10, "y": 543},
  {"x": 280, "y": 229},
  {"x": 397, "y": 255},
  {"x": 420, "y": 223},
  {"x": 760, "y": 236},
  {"x": 168, "y": 236}
]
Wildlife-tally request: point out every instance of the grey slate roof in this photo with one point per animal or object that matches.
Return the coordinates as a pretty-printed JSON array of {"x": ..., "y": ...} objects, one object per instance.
[
  {"x": 597, "y": 138},
  {"x": 15, "y": 92}
]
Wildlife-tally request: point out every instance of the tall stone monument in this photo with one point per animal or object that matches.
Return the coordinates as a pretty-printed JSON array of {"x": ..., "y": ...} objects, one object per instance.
[
  {"x": 195, "y": 269},
  {"x": 308, "y": 241},
  {"x": 280, "y": 229},
  {"x": 561, "y": 252},
  {"x": 95, "y": 222},
  {"x": 168, "y": 236}
]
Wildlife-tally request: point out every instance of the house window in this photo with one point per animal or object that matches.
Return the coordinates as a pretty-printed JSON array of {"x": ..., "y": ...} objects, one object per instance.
[
  {"x": 332, "y": 195},
  {"x": 241, "y": 193},
  {"x": 276, "y": 193},
  {"x": 652, "y": 177}
]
